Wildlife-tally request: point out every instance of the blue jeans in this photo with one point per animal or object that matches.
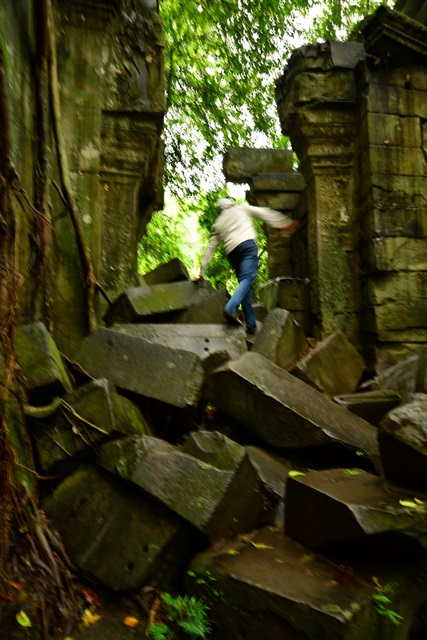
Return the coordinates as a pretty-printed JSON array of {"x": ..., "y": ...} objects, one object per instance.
[{"x": 244, "y": 260}]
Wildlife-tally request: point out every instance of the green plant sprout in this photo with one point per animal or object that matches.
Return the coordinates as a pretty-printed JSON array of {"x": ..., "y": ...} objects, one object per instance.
[
  {"x": 381, "y": 602},
  {"x": 185, "y": 613}
]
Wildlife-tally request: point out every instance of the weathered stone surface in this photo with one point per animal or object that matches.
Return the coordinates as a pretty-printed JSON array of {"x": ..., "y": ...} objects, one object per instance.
[
  {"x": 392, "y": 130},
  {"x": 110, "y": 629},
  {"x": 369, "y": 405},
  {"x": 17, "y": 424},
  {"x": 403, "y": 443},
  {"x": 203, "y": 339},
  {"x": 342, "y": 507},
  {"x": 272, "y": 470},
  {"x": 288, "y": 182},
  {"x": 397, "y": 217},
  {"x": 171, "y": 271},
  {"x": 241, "y": 163},
  {"x": 395, "y": 316},
  {"x": 393, "y": 100},
  {"x": 281, "y": 339},
  {"x": 139, "y": 304},
  {"x": 415, "y": 10},
  {"x": 208, "y": 308},
  {"x": 401, "y": 161},
  {"x": 41, "y": 364},
  {"x": 220, "y": 498},
  {"x": 274, "y": 584},
  {"x": 282, "y": 410},
  {"x": 394, "y": 254},
  {"x": 87, "y": 416},
  {"x": 333, "y": 366},
  {"x": 292, "y": 294},
  {"x": 391, "y": 33},
  {"x": 285, "y": 202},
  {"x": 406, "y": 377},
  {"x": 154, "y": 371},
  {"x": 406, "y": 288},
  {"x": 115, "y": 535}
]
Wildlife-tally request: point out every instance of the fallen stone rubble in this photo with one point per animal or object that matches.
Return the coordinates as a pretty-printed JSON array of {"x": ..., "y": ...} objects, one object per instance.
[{"x": 281, "y": 489}]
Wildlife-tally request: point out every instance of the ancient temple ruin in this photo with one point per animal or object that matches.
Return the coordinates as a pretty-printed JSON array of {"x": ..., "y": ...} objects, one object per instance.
[
  {"x": 303, "y": 495},
  {"x": 355, "y": 113}
]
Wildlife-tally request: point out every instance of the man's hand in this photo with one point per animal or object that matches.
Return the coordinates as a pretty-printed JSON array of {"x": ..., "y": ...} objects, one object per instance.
[{"x": 289, "y": 229}]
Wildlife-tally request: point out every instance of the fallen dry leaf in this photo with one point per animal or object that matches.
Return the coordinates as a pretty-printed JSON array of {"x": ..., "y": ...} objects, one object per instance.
[{"x": 130, "y": 621}]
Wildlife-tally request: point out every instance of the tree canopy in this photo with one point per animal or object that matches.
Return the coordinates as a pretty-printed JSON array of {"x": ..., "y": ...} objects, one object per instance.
[{"x": 222, "y": 60}]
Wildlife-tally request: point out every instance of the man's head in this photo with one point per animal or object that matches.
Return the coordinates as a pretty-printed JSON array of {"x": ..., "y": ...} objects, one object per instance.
[{"x": 225, "y": 203}]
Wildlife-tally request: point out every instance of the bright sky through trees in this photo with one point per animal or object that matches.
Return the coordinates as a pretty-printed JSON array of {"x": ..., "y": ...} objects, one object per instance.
[{"x": 222, "y": 61}]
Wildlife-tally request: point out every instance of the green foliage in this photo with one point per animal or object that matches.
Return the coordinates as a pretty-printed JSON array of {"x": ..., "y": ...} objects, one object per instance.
[
  {"x": 381, "y": 602},
  {"x": 222, "y": 61},
  {"x": 181, "y": 612},
  {"x": 172, "y": 233}
]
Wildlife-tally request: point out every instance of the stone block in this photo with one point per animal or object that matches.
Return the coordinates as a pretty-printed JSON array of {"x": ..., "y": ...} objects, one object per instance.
[
  {"x": 388, "y": 33},
  {"x": 282, "y": 410},
  {"x": 87, "y": 416},
  {"x": 396, "y": 317},
  {"x": 403, "y": 444},
  {"x": 372, "y": 406},
  {"x": 343, "y": 507},
  {"x": 204, "y": 340},
  {"x": 391, "y": 353},
  {"x": 220, "y": 498},
  {"x": 414, "y": 187},
  {"x": 391, "y": 130},
  {"x": 309, "y": 87},
  {"x": 393, "y": 220},
  {"x": 112, "y": 534},
  {"x": 281, "y": 339},
  {"x": 172, "y": 271},
  {"x": 283, "y": 182},
  {"x": 242, "y": 163},
  {"x": 400, "y": 75},
  {"x": 207, "y": 308},
  {"x": 42, "y": 367},
  {"x": 334, "y": 366},
  {"x": 285, "y": 202},
  {"x": 401, "y": 161},
  {"x": 405, "y": 377},
  {"x": 272, "y": 471},
  {"x": 271, "y": 586},
  {"x": 160, "y": 301},
  {"x": 173, "y": 376},
  {"x": 397, "y": 101},
  {"x": 395, "y": 254},
  {"x": 292, "y": 294}
]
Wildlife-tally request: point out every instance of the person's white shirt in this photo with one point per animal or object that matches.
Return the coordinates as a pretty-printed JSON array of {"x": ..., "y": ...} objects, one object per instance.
[{"x": 234, "y": 225}]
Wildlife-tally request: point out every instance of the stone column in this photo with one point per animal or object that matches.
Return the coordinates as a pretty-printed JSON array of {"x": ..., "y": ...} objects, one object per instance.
[
  {"x": 111, "y": 73},
  {"x": 316, "y": 99}
]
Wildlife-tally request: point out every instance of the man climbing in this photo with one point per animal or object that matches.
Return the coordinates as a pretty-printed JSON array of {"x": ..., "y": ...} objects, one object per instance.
[{"x": 235, "y": 229}]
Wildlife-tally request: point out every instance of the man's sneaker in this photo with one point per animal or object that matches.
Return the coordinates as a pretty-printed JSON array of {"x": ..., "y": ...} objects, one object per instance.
[{"x": 234, "y": 320}]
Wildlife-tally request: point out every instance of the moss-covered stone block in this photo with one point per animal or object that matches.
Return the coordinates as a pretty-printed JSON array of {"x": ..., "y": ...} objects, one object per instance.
[{"x": 43, "y": 369}]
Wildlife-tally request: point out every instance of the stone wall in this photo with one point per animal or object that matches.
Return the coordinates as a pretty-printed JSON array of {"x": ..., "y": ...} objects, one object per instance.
[
  {"x": 356, "y": 116},
  {"x": 111, "y": 83}
]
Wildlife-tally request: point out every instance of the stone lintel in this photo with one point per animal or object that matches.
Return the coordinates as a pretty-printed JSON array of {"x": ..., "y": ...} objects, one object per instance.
[
  {"x": 277, "y": 182},
  {"x": 285, "y": 202},
  {"x": 390, "y": 33},
  {"x": 242, "y": 163}
]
